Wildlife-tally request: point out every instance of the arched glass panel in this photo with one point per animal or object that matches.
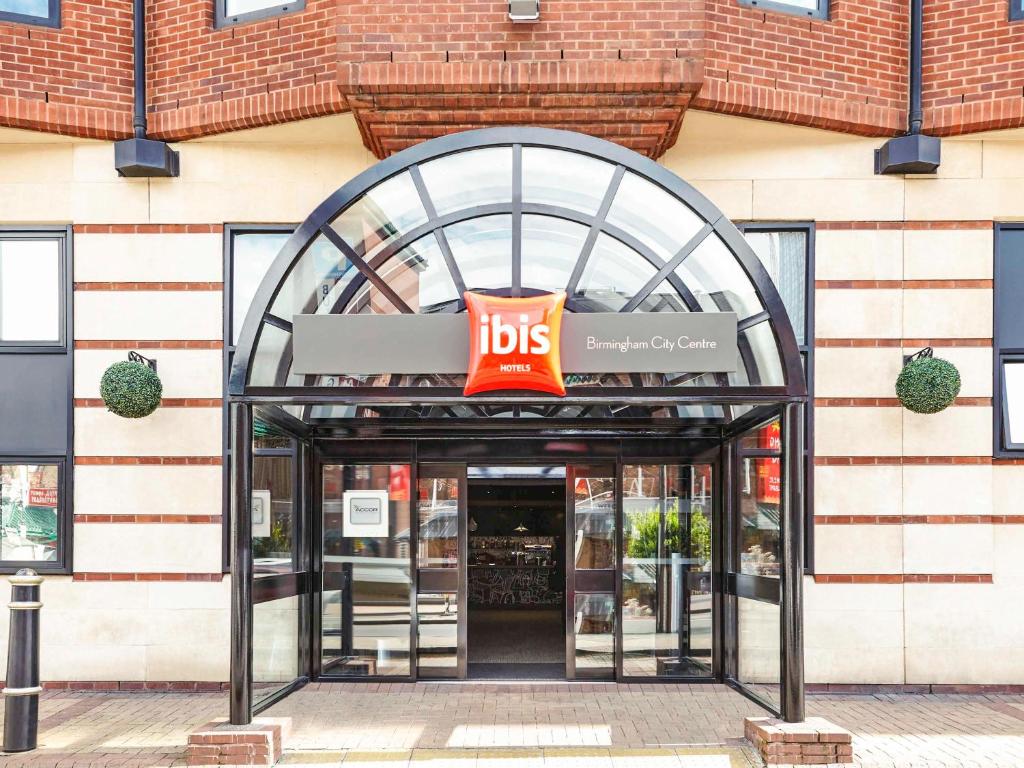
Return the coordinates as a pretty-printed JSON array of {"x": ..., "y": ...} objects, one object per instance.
[
  {"x": 385, "y": 212},
  {"x": 724, "y": 286},
  {"x": 315, "y": 281},
  {"x": 418, "y": 274},
  {"x": 482, "y": 249},
  {"x": 614, "y": 274},
  {"x": 653, "y": 216},
  {"x": 565, "y": 179},
  {"x": 551, "y": 248},
  {"x": 468, "y": 179}
]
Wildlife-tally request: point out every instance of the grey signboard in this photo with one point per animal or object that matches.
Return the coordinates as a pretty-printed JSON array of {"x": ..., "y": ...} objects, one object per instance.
[{"x": 600, "y": 342}]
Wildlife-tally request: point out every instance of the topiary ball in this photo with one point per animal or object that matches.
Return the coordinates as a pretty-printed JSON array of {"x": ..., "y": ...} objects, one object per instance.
[
  {"x": 928, "y": 385},
  {"x": 131, "y": 389}
]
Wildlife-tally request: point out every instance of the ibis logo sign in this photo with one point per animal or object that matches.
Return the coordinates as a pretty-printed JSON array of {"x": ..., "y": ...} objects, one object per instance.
[{"x": 514, "y": 343}]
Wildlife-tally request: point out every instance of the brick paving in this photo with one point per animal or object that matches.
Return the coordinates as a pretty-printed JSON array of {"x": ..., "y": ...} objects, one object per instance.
[{"x": 549, "y": 725}]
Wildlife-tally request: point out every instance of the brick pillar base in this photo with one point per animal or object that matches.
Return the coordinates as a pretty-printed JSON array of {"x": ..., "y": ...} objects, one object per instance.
[
  {"x": 813, "y": 742},
  {"x": 220, "y": 743}
]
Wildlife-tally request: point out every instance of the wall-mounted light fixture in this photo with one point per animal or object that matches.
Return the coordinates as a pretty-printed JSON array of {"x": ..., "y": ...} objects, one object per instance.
[{"x": 524, "y": 10}]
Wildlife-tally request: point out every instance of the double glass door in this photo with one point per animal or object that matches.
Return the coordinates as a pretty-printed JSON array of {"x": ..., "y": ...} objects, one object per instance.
[{"x": 638, "y": 588}]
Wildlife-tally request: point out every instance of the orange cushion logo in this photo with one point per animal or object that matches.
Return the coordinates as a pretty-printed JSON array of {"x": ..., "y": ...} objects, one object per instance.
[{"x": 514, "y": 343}]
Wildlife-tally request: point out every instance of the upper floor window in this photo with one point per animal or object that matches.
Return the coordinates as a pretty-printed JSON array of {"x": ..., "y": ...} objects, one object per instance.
[
  {"x": 242, "y": 11},
  {"x": 45, "y": 12},
  {"x": 817, "y": 9},
  {"x": 1016, "y": 10},
  {"x": 31, "y": 290},
  {"x": 1008, "y": 341}
]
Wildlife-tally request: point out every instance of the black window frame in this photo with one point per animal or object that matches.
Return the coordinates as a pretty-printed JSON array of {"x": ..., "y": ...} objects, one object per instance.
[
  {"x": 52, "y": 18},
  {"x": 63, "y": 564},
  {"x": 1016, "y": 10},
  {"x": 222, "y": 19},
  {"x": 806, "y": 350},
  {"x": 231, "y": 231},
  {"x": 781, "y": 6},
  {"x": 1003, "y": 352}
]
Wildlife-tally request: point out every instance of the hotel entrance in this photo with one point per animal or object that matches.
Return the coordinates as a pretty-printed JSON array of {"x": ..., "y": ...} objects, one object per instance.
[{"x": 543, "y": 409}]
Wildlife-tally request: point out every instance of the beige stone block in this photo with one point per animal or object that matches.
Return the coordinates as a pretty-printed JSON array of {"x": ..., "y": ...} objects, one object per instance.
[
  {"x": 177, "y": 661},
  {"x": 125, "y": 201},
  {"x": 947, "y": 548},
  {"x": 148, "y": 315},
  {"x": 856, "y": 371},
  {"x": 882, "y": 666},
  {"x": 974, "y": 364},
  {"x": 96, "y": 627},
  {"x": 1008, "y": 490},
  {"x": 164, "y": 257},
  {"x": 962, "y": 199},
  {"x": 858, "y": 490},
  {"x": 884, "y": 598},
  {"x": 200, "y": 627},
  {"x": 1007, "y": 544},
  {"x": 191, "y": 595},
  {"x": 858, "y": 254},
  {"x": 94, "y": 162},
  {"x": 977, "y": 664},
  {"x": 858, "y": 549},
  {"x": 732, "y": 197},
  {"x": 725, "y": 147},
  {"x": 947, "y": 490},
  {"x": 1002, "y": 159},
  {"x": 961, "y": 159},
  {"x": 956, "y": 431},
  {"x": 61, "y": 593},
  {"x": 36, "y": 203},
  {"x": 947, "y": 313},
  {"x": 858, "y": 432},
  {"x": 964, "y": 254},
  {"x": 90, "y": 662},
  {"x": 172, "y": 200},
  {"x": 148, "y": 490},
  {"x": 858, "y": 313},
  {"x": 184, "y": 373},
  {"x": 148, "y": 548},
  {"x": 35, "y": 163},
  {"x": 877, "y": 199},
  {"x": 167, "y": 432}
]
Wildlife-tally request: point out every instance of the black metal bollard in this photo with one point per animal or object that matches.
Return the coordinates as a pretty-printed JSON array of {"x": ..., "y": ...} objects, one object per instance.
[{"x": 21, "y": 696}]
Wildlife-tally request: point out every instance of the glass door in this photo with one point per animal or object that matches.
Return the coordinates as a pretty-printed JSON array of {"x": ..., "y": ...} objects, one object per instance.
[
  {"x": 590, "y": 598},
  {"x": 366, "y": 600},
  {"x": 441, "y": 549}
]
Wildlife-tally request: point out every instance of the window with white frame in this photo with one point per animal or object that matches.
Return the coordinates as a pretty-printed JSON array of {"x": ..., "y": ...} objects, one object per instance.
[
  {"x": 242, "y": 11},
  {"x": 42, "y": 12},
  {"x": 817, "y": 9},
  {"x": 1008, "y": 340}
]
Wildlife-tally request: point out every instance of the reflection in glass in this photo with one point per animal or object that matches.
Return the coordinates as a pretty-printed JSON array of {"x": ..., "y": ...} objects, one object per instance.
[
  {"x": 594, "y": 626},
  {"x": 551, "y": 248},
  {"x": 29, "y": 511},
  {"x": 1013, "y": 374},
  {"x": 438, "y": 534},
  {"x": 418, "y": 274},
  {"x": 366, "y": 581},
  {"x": 268, "y": 358},
  {"x": 482, "y": 249},
  {"x": 614, "y": 273},
  {"x": 437, "y": 643},
  {"x": 275, "y": 645},
  {"x": 252, "y": 253},
  {"x": 30, "y": 290},
  {"x": 387, "y": 211},
  {"x": 759, "y": 360},
  {"x": 718, "y": 281},
  {"x": 468, "y": 179},
  {"x": 315, "y": 282},
  {"x": 784, "y": 256},
  {"x": 758, "y": 648},
  {"x": 566, "y": 179},
  {"x": 594, "y": 509},
  {"x": 273, "y": 515},
  {"x": 666, "y": 570},
  {"x": 37, "y": 8},
  {"x": 653, "y": 216},
  {"x": 760, "y": 509}
]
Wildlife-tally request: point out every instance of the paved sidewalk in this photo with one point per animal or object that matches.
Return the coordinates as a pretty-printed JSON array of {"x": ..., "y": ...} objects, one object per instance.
[{"x": 518, "y": 726}]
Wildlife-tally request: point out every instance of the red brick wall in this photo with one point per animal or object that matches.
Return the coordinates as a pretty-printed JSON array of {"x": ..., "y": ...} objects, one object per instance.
[
  {"x": 847, "y": 73},
  {"x": 973, "y": 66}
]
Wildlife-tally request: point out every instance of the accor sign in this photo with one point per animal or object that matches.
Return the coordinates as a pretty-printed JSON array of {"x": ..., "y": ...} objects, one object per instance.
[{"x": 514, "y": 343}]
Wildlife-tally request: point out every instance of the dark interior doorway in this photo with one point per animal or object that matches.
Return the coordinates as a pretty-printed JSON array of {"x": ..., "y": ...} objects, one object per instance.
[{"x": 516, "y": 574}]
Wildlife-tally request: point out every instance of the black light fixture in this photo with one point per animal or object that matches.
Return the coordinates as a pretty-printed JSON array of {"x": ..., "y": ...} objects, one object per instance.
[{"x": 523, "y": 10}]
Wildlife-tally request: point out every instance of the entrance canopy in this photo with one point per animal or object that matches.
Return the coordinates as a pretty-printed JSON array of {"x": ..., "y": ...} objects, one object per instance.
[{"x": 517, "y": 212}]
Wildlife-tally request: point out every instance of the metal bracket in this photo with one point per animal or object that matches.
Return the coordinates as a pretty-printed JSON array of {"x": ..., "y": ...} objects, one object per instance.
[
  {"x": 135, "y": 357},
  {"x": 926, "y": 352}
]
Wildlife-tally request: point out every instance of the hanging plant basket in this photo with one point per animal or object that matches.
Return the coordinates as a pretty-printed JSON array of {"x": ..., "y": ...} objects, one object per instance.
[
  {"x": 927, "y": 384},
  {"x": 131, "y": 389}
]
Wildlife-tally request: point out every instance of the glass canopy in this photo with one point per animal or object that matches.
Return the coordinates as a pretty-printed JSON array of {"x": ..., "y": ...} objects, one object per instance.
[{"x": 516, "y": 212}]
